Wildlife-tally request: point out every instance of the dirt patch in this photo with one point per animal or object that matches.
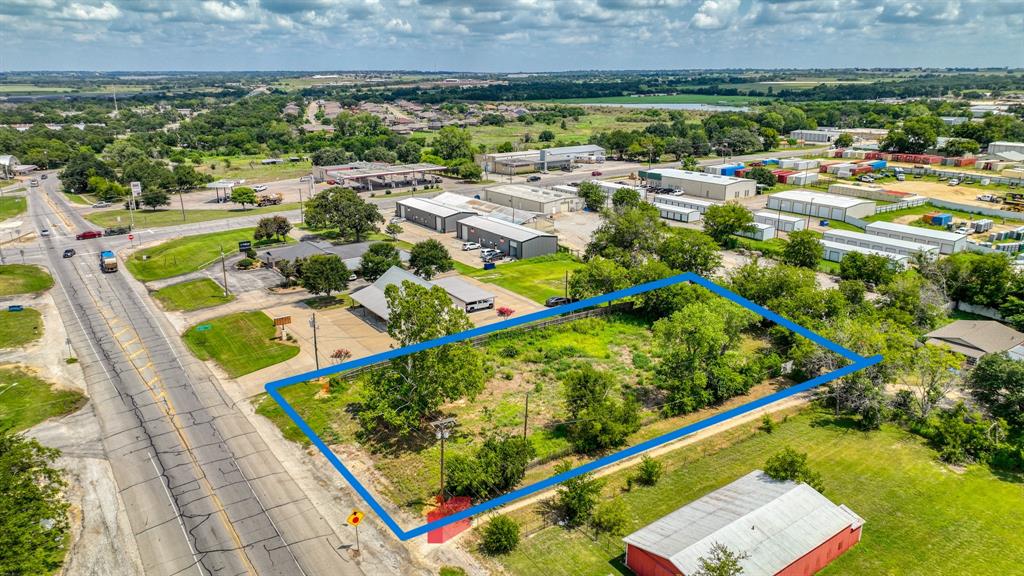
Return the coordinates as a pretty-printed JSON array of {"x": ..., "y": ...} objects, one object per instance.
[{"x": 939, "y": 190}]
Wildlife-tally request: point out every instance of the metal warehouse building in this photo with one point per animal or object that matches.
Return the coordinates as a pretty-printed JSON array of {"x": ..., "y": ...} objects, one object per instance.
[
  {"x": 433, "y": 215},
  {"x": 760, "y": 232},
  {"x": 835, "y": 252},
  {"x": 700, "y": 184},
  {"x": 881, "y": 243},
  {"x": 532, "y": 199},
  {"x": 684, "y": 202},
  {"x": 1002, "y": 146},
  {"x": 783, "y": 222},
  {"x": 948, "y": 242},
  {"x": 512, "y": 239},
  {"x": 829, "y": 206},
  {"x": 777, "y": 527},
  {"x": 544, "y": 159},
  {"x": 677, "y": 213}
]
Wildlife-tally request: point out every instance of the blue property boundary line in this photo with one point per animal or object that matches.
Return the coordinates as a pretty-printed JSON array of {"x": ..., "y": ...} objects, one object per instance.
[{"x": 273, "y": 388}]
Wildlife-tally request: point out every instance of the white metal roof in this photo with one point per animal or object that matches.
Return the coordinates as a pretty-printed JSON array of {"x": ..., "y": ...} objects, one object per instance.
[
  {"x": 372, "y": 297},
  {"x": 844, "y": 248},
  {"x": 773, "y": 522},
  {"x": 485, "y": 208},
  {"x": 820, "y": 199},
  {"x": 916, "y": 231},
  {"x": 776, "y": 217},
  {"x": 503, "y": 228},
  {"x": 674, "y": 208},
  {"x": 531, "y": 192},
  {"x": 894, "y": 242},
  {"x": 697, "y": 176},
  {"x": 671, "y": 199},
  {"x": 462, "y": 290},
  {"x": 432, "y": 207}
]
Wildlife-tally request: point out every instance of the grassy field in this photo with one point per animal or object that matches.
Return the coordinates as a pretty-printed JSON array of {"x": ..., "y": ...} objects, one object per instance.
[
  {"x": 920, "y": 210},
  {"x": 184, "y": 255},
  {"x": 11, "y": 206},
  {"x": 240, "y": 343},
  {"x": 171, "y": 217},
  {"x": 576, "y": 131},
  {"x": 250, "y": 169},
  {"x": 192, "y": 295},
  {"x": 20, "y": 328},
  {"x": 31, "y": 89},
  {"x": 666, "y": 99},
  {"x": 923, "y": 518},
  {"x": 536, "y": 278},
  {"x": 80, "y": 199},
  {"x": 23, "y": 279},
  {"x": 26, "y": 400}
]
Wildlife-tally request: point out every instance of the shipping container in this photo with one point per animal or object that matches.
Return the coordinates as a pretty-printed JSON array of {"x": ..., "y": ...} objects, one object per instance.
[{"x": 942, "y": 219}]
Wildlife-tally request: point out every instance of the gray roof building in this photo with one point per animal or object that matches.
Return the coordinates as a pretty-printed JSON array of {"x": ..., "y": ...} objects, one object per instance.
[
  {"x": 431, "y": 213},
  {"x": 462, "y": 293},
  {"x": 975, "y": 338},
  {"x": 512, "y": 239}
]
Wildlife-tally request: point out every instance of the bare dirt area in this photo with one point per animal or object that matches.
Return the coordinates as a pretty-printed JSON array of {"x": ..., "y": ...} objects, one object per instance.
[{"x": 940, "y": 190}]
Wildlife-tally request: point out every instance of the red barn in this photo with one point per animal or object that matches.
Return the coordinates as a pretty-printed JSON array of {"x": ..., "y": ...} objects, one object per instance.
[{"x": 784, "y": 528}]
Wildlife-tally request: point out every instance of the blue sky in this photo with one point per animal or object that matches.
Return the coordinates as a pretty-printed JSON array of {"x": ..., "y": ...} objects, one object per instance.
[{"x": 506, "y": 35}]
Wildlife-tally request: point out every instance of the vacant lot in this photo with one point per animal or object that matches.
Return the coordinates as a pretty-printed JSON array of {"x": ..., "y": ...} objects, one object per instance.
[
  {"x": 192, "y": 295},
  {"x": 665, "y": 99},
  {"x": 26, "y": 400},
  {"x": 20, "y": 328},
  {"x": 923, "y": 518},
  {"x": 171, "y": 217},
  {"x": 11, "y": 206},
  {"x": 536, "y": 278},
  {"x": 23, "y": 279},
  {"x": 250, "y": 169},
  {"x": 184, "y": 255},
  {"x": 240, "y": 343},
  {"x": 575, "y": 131}
]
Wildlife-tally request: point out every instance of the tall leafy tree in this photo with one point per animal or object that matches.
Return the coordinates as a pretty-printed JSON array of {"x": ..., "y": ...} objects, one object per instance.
[
  {"x": 722, "y": 221},
  {"x": 76, "y": 173},
  {"x": 598, "y": 276},
  {"x": 452, "y": 143},
  {"x": 803, "y": 249},
  {"x": 430, "y": 257},
  {"x": 721, "y": 561},
  {"x": 628, "y": 236},
  {"x": 377, "y": 259},
  {"x": 324, "y": 274},
  {"x": 342, "y": 208},
  {"x": 243, "y": 195},
  {"x": 997, "y": 381},
  {"x": 688, "y": 250},
  {"x": 593, "y": 197}
]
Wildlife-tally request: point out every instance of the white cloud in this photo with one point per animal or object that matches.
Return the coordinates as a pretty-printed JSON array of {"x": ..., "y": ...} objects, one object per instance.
[
  {"x": 715, "y": 14},
  {"x": 398, "y": 25},
  {"x": 229, "y": 12},
  {"x": 103, "y": 12}
]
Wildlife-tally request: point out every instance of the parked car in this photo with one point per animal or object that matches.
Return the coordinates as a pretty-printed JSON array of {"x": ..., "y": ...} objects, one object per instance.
[
  {"x": 118, "y": 231},
  {"x": 470, "y": 246},
  {"x": 397, "y": 220},
  {"x": 557, "y": 301},
  {"x": 332, "y": 182},
  {"x": 101, "y": 205},
  {"x": 596, "y": 173},
  {"x": 953, "y": 182},
  {"x": 533, "y": 178},
  {"x": 69, "y": 252},
  {"x": 43, "y": 177},
  {"x": 33, "y": 183},
  {"x": 866, "y": 178},
  {"x": 89, "y": 235},
  {"x": 44, "y": 232},
  {"x": 488, "y": 254},
  {"x": 260, "y": 188}
]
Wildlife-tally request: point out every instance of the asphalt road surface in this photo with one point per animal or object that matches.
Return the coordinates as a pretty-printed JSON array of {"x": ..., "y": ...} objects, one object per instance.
[{"x": 202, "y": 492}]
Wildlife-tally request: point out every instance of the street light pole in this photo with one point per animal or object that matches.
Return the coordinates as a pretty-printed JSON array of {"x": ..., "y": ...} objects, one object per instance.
[
  {"x": 442, "y": 430},
  {"x": 224, "y": 270}
]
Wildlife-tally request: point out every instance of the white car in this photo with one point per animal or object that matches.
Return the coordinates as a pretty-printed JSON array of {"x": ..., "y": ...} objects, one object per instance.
[
  {"x": 44, "y": 232},
  {"x": 470, "y": 246},
  {"x": 260, "y": 188},
  {"x": 397, "y": 220},
  {"x": 953, "y": 182},
  {"x": 101, "y": 205}
]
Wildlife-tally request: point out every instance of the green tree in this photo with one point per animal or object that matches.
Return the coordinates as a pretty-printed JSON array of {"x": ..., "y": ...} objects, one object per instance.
[
  {"x": 803, "y": 249},
  {"x": 76, "y": 173},
  {"x": 688, "y": 250},
  {"x": 153, "y": 199},
  {"x": 378, "y": 259},
  {"x": 342, "y": 208},
  {"x": 649, "y": 471},
  {"x": 546, "y": 136},
  {"x": 722, "y": 221},
  {"x": 324, "y": 273},
  {"x": 393, "y": 229},
  {"x": 470, "y": 171},
  {"x": 610, "y": 517},
  {"x": 265, "y": 229},
  {"x": 628, "y": 236},
  {"x": 788, "y": 464},
  {"x": 626, "y": 198},
  {"x": 430, "y": 257},
  {"x": 598, "y": 276},
  {"x": 762, "y": 176},
  {"x": 960, "y": 147},
  {"x": 932, "y": 372},
  {"x": 844, "y": 140},
  {"x": 721, "y": 561},
  {"x": 452, "y": 143},
  {"x": 592, "y": 195},
  {"x": 998, "y": 383},
  {"x": 243, "y": 195},
  {"x": 505, "y": 147},
  {"x": 414, "y": 386},
  {"x": 577, "y": 496},
  {"x": 689, "y": 163},
  {"x": 598, "y": 421},
  {"x": 33, "y": 512},
  {"x": 500, "y": 535},
  {"x": 871, "y": 269}
]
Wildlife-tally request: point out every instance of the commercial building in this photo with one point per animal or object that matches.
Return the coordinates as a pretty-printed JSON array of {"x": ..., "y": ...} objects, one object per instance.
[
  {"x": 700, "y": 184},
  {"x": 531, "y": 198},
  {"x": 948, "y": 242},
  {"x": 684, "y": 202},
  {"x": 1003, "y": 146},
  {"x": 835, "y": 252},
  {"x": 610, "y": 188},
  {"x": 467, "y": 296},
  {"x": 776, "y": 527},
  {"x": 783, "y": 222},
  {"x": 761, "y": 231},
  {"x": 677, "y": 213},
  {"x": 513, "y": 239},
  {"x": 820, "y": 205},
  {"x": 544, "y": 159},
  {"x": 975, "y": 338},
  {"x": 431, "y": 214},
  {"x": 485, "y": 208},
  {"x": 881, "y": 243},
  {"x": 8, "y": 165},
  {"x": 823, "y": 136},
  {"x": 378, "y": 175},
  {"x": 350, "y": 254}
]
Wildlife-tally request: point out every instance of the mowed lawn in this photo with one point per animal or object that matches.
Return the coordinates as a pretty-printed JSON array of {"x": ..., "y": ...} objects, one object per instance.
[
  {"x": 171, "y": 217},
  {"x": 535, "y": 278},
  {"x": 241, "y": 343},
  {"x": 23, "y": 279},
  {"x": 923, "y": 518},
  {"x": 20, "y": 328},
  {"x": 192, "y": 295},
  {"x": 665, "y": 99},
  {"x": 11, "y": 206},
  {"x": 184, "y": 255},
  {"x": 250, "y": 169},
  {"x": 575, "y": 130},
  {"x": 26, "y": 400}
]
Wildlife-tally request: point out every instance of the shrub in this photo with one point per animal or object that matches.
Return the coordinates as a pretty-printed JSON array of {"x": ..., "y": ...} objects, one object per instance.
[
  {"x": 641, "y": 361},
  {"x": 500, "y": 535},
  {"x": 246, "y": 263},
  {"x": 577, "y": 496},
  {"x": 451, "y": 571},
  {"x": 610, "y": 517},
  {"x": 767, "y": 424},
  {"x": 509, "y": 351},
  {"x": 788, "y": 464},
  {"x": 649, "y": 471}
]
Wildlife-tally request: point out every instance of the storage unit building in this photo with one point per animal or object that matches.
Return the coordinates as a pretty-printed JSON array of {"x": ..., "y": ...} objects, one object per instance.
[
  {"x": 783, "y": 222},
  {"x": 469, "y": 297},
  {"x": 761, "y": 232},
  {"x": 430, "y": 214},
  {"x": 531, "y": 198},
  {"x": 609, "y": 187},
  {"x": 881, "y": 243},
  {"x": 684, "y": 202},
  {"x": 512, "y": 239},
  {"x": 829, "y": 206},
  {"x": 948, "y": 242},
  {"x": 798, "y": 163},
  {"x": 677, "y": 213},
  {"x": 1003, "y": 146},
  {"x": 700, "y": 184},
  {"x": 835, "y": 252},
  {"x": 776, "y": 528}
]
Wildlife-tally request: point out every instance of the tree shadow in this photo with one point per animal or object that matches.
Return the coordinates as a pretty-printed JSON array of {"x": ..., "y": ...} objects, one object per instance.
[{"x": 843, "y": 422}]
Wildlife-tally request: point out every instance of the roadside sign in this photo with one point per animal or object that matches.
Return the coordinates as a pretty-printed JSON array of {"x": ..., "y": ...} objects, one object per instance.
[
  {"x": 203, "y": 327},
  {"x": 136, "y": 188},
  {"x": 355, "y": 518},
  {"x": 282, "y": 320},
  {"x": 244, "y": 245},
  {"x": 131, "y": 236}
]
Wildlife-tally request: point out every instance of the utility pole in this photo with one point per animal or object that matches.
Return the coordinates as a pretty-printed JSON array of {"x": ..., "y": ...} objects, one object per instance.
[
  {"x": 182, "y": 202},
  {"x": 316, "y": 353},
  {"x": 224, "y": 270},
  {"x": 442, "y": 430},
  {"x": 565, "y": 285},
  {"x": 526, "y": 414}
]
